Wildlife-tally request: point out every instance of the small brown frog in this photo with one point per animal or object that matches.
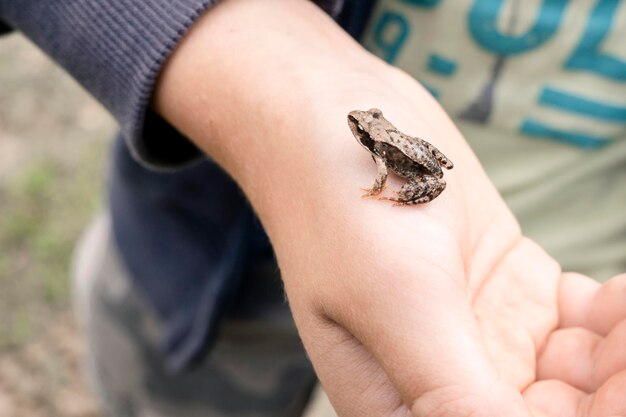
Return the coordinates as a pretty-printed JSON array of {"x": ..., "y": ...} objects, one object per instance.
[{"x": 409, "y": 157}]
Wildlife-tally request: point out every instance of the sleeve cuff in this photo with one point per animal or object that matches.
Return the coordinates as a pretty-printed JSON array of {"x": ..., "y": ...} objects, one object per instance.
[{"x": 147, "y": 36}]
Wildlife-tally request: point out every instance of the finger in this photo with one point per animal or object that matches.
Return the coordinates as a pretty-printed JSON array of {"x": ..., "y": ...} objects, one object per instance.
[
  {"x": 353, "y": 380},
  {"x": 582, "y": 358},
  {"x": 608, "y": 400},
  {"x": 554, "y": 398},
  {"x": 558, "y": 399},
  {"x": 585, "y": 303}
]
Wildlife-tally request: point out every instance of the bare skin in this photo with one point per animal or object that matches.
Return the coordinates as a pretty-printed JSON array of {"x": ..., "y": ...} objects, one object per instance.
[
  {"x": 445, "y": 311},
  {"x": 412, "y": 158}
]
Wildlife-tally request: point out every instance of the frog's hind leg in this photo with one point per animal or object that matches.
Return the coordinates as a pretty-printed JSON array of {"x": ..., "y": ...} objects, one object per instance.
[
  {"x": 418, "y": 191},
  {"x": 380, "y": 181},
  {"x": 439, "y": 156}
]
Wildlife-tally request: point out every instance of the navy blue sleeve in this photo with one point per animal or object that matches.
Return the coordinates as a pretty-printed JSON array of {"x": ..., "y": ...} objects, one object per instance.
[{"x": 116, "y": 50}]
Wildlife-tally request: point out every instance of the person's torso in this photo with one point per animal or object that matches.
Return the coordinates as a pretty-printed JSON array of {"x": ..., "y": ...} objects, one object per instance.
[{"x": 538, "y": 87}]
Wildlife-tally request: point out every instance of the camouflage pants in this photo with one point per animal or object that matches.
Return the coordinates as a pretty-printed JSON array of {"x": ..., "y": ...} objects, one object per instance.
[{"x": 257, "y": 367}]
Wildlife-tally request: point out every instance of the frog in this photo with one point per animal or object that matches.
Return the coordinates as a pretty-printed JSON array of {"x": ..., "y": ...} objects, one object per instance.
[{"x": 409, "y": 157}]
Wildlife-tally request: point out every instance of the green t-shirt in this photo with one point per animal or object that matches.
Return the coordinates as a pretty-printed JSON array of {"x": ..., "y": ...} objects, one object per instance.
[{"x": 538, "y": 88}]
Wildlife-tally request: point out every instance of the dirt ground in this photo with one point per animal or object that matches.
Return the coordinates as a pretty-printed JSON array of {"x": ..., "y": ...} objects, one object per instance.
[
  {"x": 54, "y": 142},
  {"x": 43, "y": 377}
]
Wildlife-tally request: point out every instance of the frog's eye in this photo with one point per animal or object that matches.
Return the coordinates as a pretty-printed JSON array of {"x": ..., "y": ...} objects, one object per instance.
[{"x": 359, "y": 128}]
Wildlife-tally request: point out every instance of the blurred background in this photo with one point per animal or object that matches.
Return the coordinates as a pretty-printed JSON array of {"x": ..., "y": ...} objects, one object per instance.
[{"x": 54, "y": 145}]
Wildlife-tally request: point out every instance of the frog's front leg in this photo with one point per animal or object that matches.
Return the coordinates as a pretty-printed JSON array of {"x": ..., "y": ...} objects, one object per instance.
[
  {"x": 418, "y": 191},
  {"x": 381, "y": 178}
]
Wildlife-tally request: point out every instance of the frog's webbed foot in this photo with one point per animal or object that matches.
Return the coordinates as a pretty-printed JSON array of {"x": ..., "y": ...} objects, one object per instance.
[
  {"x": 418, "y": 191},
  {"x": 379, "y": 182},
  {"x": 374, "y": 191}
]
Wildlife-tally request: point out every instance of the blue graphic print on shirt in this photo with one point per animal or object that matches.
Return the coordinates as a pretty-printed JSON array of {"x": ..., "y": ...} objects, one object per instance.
[
  {"x": 588, "y": 56},
  {"x": 494, "y": 29}
]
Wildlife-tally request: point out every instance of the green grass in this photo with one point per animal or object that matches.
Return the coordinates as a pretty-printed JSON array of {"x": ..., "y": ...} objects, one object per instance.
[{"x": 45, "y": 207}]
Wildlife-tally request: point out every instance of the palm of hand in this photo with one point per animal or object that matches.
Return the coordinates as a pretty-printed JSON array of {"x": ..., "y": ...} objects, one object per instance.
[{"x": 470, "y": 331}]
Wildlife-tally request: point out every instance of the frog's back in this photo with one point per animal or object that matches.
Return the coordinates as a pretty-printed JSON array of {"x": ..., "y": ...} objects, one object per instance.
[{"x": 414, "y": 149}]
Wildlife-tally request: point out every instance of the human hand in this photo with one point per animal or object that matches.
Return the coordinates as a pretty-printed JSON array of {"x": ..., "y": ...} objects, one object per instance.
[
  {"x": 435, "y": 310},
  {"x": 443, "y": 309},
  {"x": 581, "y": 368}
]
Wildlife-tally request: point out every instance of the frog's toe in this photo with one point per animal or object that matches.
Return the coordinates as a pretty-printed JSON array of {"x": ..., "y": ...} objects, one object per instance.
[
  {"x": 372, "y": 192},
  {"x": 368, "y": 192}
]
